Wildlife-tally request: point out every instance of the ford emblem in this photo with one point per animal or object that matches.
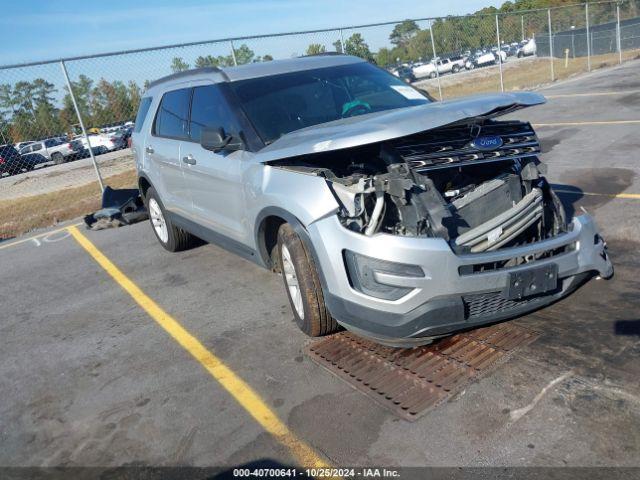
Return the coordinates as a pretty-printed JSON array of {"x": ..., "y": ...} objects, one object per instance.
[{"x": 487, "y": 143}]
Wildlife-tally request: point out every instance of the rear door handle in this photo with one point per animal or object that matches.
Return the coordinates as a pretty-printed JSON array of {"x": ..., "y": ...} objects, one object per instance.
[
  {"x": 189, "y": 159},
  {"x": 149, "y": 149}
]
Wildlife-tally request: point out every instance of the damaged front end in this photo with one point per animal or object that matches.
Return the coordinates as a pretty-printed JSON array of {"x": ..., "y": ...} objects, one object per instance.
[{"x": 478, "y": 184}]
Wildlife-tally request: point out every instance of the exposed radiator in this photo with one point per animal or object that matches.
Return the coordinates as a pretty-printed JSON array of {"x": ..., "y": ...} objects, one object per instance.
[{"x": 494, "y": 233}]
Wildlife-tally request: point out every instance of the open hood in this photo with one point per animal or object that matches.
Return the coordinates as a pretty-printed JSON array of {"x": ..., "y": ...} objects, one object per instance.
[{"x": 382, "y": 126}]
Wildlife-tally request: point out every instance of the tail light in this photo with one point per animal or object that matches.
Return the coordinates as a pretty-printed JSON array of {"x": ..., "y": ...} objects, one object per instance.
[{"x": 1, "y": 160}]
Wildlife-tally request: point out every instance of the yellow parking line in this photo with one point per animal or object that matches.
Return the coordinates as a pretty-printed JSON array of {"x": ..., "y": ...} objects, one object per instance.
[
  {"x": 577, "y": 124},
  {"x": 633, "y": 196},
  {"x": 234, "y": 385},
  {"x": 591, "y": 94},
  {"x": 40, "y": 235}
]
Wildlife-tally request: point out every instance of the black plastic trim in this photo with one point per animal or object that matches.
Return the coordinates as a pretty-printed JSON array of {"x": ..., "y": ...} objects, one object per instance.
[
  {"x": 216, "y": 238},
  {"x": 431, "y": 319}
]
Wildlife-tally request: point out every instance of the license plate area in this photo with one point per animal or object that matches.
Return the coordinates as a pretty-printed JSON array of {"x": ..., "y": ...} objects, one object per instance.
[{"x": 533, "y": 281}]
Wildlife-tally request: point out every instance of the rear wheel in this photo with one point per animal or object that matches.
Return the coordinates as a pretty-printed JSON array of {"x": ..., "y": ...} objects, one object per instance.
[
  {"x": 172, "y": 238},
  {"x": 432, "y": 75},
  {"x": 302, "y": 284},
  {"x": 57, "y": 158},
  {"x": 455, "y": 69}
]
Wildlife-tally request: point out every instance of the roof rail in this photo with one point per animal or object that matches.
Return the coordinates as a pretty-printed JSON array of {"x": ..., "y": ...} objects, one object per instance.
[{"x": 187, "y": 73}]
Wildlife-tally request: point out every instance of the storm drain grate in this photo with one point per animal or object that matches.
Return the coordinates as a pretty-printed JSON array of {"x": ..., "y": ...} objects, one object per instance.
[{"x": 410, "y": 381}]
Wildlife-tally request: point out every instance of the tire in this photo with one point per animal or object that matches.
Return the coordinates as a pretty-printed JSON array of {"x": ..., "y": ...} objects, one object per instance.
[
  {"x": 520, "y": 54},
  {"x": 298, "y": 268},
  {"x": 432, "y": 75},
  {"x": 455, "y": 69},
  {"x": 57, "y": 158},
  {"x": 471, "y": 66},
  {"x": 172, "y": 238}
]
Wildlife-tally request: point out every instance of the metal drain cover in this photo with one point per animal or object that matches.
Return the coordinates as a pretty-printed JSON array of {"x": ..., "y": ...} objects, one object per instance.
[{"x": 410, "y": 381}]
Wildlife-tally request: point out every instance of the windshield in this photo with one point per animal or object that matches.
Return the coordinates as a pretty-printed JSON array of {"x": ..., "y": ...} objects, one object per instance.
[{"x": 280, "y": 104}]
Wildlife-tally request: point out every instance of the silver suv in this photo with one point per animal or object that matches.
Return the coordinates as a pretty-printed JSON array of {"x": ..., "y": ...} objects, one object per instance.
[{"x": 399, "y": 218}]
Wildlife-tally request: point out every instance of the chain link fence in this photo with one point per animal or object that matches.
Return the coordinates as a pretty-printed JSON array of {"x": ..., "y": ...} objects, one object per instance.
[{"x": 65, "y": 125}]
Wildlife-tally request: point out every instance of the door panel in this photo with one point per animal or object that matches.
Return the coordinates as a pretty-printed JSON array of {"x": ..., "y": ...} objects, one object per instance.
[
  {"x": 162, "y": 149},
  {"x": 163, "y": 156},
  {"x": 214, "y": 181}
]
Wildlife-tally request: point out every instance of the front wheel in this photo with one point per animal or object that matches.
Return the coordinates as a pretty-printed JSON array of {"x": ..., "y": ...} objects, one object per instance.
[{"x": 302, "y": 284}]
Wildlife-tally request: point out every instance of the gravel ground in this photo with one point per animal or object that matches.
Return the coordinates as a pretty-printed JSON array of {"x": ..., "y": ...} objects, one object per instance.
[{"x": 58, "y": 177}]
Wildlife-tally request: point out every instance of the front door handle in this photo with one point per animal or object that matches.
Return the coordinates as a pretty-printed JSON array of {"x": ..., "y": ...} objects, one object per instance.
[
  {"x": 189, "y": 159},
  {"x": 149, "y": 149}
]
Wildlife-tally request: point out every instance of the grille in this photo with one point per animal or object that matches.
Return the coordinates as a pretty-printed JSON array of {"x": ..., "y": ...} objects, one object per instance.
[
  {"x": 441, "y": 147},
  {"x": 482, "y": 304}
]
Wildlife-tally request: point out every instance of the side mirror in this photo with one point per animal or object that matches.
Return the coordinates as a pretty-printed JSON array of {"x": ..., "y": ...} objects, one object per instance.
[{"x": 216, "y": 140}]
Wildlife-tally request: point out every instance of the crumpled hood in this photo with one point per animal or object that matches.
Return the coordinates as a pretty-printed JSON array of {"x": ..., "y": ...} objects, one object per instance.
[{"x": 378, "y": 127}]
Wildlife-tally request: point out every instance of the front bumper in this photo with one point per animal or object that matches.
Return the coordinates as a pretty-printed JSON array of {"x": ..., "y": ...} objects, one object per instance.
[{"x": 445, "y": 299}]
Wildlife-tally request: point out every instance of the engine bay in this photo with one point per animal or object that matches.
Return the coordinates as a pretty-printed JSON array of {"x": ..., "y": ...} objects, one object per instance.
[{"x": 439, "y": 184}]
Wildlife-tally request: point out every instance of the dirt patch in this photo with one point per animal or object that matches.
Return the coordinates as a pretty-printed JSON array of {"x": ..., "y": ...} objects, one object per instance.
[{"x": 21, "y": 215}]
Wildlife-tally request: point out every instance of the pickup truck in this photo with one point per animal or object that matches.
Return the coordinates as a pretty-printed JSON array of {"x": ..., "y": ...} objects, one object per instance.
[
  {"x": 52, "y": 150},
  {"x": 442, "y": 65}
]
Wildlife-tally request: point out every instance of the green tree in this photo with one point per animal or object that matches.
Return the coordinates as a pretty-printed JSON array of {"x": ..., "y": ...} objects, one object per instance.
[
  {"x": 355, "y": 45},
  {"x": 267, "y": 58},
  {"x": 338, "y": 46},
  {"x": 403, "y": 32},
  {"x": 206, "y": 61},
  {"x": 315, "y": 49},
  {"x": 384, "y": 57},
  {"x": 243, "y": 55},
  {"x": 179, "y": 65}
]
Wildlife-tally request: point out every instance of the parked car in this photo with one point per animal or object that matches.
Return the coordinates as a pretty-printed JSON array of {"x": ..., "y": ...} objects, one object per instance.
[
  {"x": 10, "y": 162},
  {"x": 20, "y": 145},
  {"x": 404, "y": 73},
  {"x": 480, "y": 59},
  {"x": 102, "y": 143},
  {"x": 528, "y": 47},
  {"x": 510, "y": 50},
  {"x": 457, "y": 63},
  {"x": 398, "y": 218},
  {"x": 51, "y": 149}
]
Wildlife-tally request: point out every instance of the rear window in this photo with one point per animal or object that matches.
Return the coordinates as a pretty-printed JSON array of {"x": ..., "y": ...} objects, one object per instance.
[
  {"x": 173, "y": 115},
  {"x": 52, "y": 142},
  {"x": 143, "y": 109}
]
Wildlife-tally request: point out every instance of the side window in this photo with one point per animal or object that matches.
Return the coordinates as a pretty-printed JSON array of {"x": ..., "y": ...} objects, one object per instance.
[
  {"x": 143, "y": 109},
  {"x": 173, "y": 115},
  {"x": 209, "y": 108},
  {"x": 35, "y": 147}
]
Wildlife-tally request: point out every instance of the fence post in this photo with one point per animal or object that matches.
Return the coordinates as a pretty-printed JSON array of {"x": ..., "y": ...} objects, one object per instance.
[
  {"x": 233, "y": 53},
  {"x": 84, "y": 131},
  {"x": 550, "y": 45},
  {"x": 522, "y": 26},
  {"x": 499, "y": 52},
  {"x": 342, "y": 42},
  {"x": 619, "y": 35},
  {"x": 435, "y": 64},
  {"x": 586, "y": 9}
]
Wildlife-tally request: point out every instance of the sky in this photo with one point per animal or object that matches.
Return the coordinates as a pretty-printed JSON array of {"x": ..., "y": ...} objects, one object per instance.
[{"x": 52, "y": 29}]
